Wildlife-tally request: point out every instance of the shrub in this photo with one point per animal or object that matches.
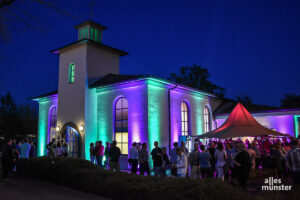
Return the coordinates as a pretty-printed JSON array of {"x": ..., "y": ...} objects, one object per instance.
[{"x": 83, "y": 175}]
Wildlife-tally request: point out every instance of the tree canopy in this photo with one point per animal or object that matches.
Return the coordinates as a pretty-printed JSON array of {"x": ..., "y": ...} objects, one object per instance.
[
  {"x": 290, "y": 101},
  {"x": 246, "y": 100},
  {"x": 197, "y": 77},
  {"x": 16, "y": 121}
]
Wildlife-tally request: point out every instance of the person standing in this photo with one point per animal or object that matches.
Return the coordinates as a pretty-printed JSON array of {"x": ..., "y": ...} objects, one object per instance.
[
  {"x": 7, "y": 158},
  {"x": 100, "y": 153},
  {"x": 205, "y": 163},
  {"x": 181, "y": 163},
  {"x": 194, "y": 161},
  {"x": 93, "y": 153},
  {"x": 156, "y": 157},
  {"x": 252, "y": 155},
  {"x": 220, "y": 157},
  {"x": 59, "y": 150},
  {"x": 211, "y": 149},
  {"x": 66, "y": 149},
  {"x": 106, "y": 154},
  {"x": 242, "y": 165},
  {"x": 166, "y": 162},
  {"x": 115, "y": 154},
  {"x": 173, "y": 159},
  {"x": 24, "y": 149},
  {"x": 32, "y": 150},
  {"x": 143, "y": 159},
  {"x": 292, "y": 160},
  {"x": 50, "y": 147},
  {"x": 134, "y": 158}
]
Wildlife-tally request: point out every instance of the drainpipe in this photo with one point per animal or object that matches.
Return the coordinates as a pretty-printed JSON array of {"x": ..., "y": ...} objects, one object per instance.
[{"x": 169, "y": 113}]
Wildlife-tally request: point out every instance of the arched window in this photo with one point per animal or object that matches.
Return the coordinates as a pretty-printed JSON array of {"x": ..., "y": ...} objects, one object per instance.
[
  {"x": 206, "y": 120},
  {"x": 52, "y": 123},
  {"x": 121, "y": 124},
  {"x": 184, "y": 119},
  {"x": 53, "y": 116},
  {"x": 72, "y": 73}
]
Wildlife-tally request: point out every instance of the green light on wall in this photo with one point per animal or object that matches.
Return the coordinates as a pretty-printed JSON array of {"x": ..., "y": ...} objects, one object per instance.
[
  {"x": 104, "y": 122},
  {"x": 154, "y": 114},
  {"x": 296, "y": 123},
  {"x": 44, "y": 105}
]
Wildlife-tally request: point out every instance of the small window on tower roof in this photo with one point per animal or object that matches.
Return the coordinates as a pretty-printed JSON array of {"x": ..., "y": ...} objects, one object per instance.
[{"x": 72, "y": 73}]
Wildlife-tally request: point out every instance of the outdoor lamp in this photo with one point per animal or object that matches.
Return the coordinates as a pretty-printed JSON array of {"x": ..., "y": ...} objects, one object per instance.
[
  {"x": 57, "y": 128},
  {"x": 81, "y": 127}
]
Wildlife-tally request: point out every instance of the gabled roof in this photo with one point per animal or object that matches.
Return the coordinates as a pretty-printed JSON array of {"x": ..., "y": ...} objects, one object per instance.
[
  {"x": 92, "y": 23},
  {"x": 111, "y": 79},
  {"x": 115, "y": 78},
  {"x": 88, "y": 41},
  {"x": 48, "y": 94},
  {"x": 240, "y": 123}
]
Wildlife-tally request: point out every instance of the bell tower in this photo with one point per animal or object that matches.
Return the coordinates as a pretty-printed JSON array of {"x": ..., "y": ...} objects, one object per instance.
[
  {"x": 80, "y": 63},
  {"x": 90, "y": 30}
]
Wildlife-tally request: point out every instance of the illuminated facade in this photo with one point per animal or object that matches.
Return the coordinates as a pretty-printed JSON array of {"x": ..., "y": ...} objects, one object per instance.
[{"x": 94, "y": 102}]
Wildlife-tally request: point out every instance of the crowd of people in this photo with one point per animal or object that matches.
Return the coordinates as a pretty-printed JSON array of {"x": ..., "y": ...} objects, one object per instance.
[
  {"x": 224, "y": 159},
  {"x": 227, "y": 159},
  {"x": 57, "y": 149},
  {"x": 13, "y": 153}
]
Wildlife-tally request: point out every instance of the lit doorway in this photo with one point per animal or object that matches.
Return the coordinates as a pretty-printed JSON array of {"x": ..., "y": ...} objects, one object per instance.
[{"x": 72, "y": 138}]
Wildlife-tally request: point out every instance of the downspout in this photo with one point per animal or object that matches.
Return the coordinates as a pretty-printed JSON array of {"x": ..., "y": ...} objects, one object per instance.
[{"x": 169, "y": 113}]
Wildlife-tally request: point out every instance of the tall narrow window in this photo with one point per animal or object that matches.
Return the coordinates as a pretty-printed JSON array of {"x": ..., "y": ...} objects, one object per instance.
[
  {"x": 121, "y": 124},
  {"x": 184, "y": 119},
  {"x": 206, "y": 120},
  {"x": 52, "y": 123},
  {"x": 72, "y": 73}
]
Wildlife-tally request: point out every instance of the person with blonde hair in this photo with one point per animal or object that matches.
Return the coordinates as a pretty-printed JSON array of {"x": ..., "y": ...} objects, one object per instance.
[{"x": 221, "y": 157}]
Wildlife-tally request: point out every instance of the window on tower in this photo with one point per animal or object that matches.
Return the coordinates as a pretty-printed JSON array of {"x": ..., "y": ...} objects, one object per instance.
[{"x": 72, "y": 73}]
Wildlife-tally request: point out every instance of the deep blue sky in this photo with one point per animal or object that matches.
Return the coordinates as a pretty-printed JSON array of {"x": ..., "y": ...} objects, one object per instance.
[{"x": 248, "y": 46}]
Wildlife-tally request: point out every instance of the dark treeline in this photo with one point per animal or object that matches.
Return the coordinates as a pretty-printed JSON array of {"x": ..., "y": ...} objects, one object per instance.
[{"x": 17, "y": 121}]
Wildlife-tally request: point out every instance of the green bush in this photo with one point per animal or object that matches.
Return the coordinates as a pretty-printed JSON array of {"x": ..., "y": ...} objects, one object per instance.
[{"x": 83, "y": 175}]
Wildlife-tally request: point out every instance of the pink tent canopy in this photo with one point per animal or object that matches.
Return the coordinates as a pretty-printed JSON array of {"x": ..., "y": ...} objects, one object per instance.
[{"x": 240, "y": 123}]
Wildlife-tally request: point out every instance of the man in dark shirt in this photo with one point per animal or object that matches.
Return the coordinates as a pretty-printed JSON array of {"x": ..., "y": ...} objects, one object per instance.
[
  {"x": 7, "y": 158},
  {"x": 157, "y": 158},
  {"x": 115, "y": 154},
  {"x": 293, "y": 162},
  {"x": 143, "y": 159}
]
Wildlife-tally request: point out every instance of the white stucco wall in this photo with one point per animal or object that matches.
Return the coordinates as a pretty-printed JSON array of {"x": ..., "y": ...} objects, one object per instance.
[
  {"x": 137, "y": 112},
  {"x": 101, "y": 62}
]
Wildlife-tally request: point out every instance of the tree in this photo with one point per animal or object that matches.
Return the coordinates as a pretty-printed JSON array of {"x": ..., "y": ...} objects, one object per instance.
[
  {"x": 290, "y": 101},
  {"x": 246, "y": 100},
  {"x": 13, "y": 14},
  {"x": 16, "y": 121},
  {"x": 196, "y": 77}
]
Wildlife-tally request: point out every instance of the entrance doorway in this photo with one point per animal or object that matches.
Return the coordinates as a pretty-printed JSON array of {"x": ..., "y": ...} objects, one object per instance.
[{"x": 72, "y": 138}]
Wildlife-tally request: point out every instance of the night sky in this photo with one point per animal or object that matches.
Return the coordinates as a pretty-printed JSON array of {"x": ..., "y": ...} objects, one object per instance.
[{"x": 248, "y": 46}]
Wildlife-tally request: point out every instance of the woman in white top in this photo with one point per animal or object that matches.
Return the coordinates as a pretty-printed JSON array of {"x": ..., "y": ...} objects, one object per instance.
[
  {"x": 59, "y": 151},
  {"x": 221, "y": 157},
  {"x": 181, "y": 163}
]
